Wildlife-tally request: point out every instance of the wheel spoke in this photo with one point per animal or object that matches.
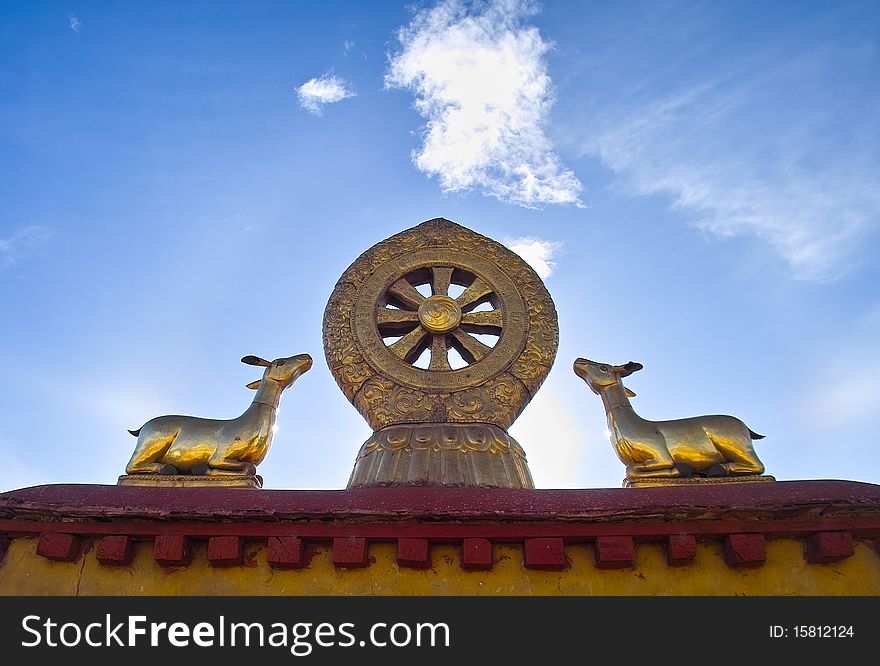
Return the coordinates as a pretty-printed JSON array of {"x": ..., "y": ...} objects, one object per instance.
[
  {"x": 439, "y": 359},
  {"x": 408, "y": 295},
  {"x": 482, "y": 322},
  {"x": 441, "y": 277},
  {"x": 477, "y": 293},
  {"x": 393, "y": 322},
  {"x": 410, "y": 345},
  {"x": 471, "y": 349}
]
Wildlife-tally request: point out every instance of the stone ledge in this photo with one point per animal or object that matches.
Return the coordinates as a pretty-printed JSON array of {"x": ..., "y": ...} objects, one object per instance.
[
  {"x": 824, "y": 517},
  {"x": 728, "y": 501}
]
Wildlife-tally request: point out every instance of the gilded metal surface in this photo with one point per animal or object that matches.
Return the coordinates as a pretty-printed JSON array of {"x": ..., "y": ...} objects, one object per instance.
[
  {"x": 404, "y": 305},
  {"x": 438, "y": 314},
  {"x": 179, "y": 444},
  {"x": 192, "y": 481},
  {"x": 701, "y": 445},
  {"x": 384, "y": 403},
  {"x": 654, "y": 482},
  {"x": 477, "y": 454},
  {"x": 375, "y": 324}
]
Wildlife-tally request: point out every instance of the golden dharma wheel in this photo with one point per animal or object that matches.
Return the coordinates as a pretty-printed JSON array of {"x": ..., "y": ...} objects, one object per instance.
[{"x": 439, "y": 337}]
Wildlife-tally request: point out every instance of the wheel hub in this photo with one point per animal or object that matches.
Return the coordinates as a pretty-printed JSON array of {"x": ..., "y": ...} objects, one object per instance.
[{"x": 439, "y": 314}]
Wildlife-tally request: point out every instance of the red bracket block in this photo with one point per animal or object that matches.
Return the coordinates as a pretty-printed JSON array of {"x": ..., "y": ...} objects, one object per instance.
[
  {"x": 59, "y": 547},
  {"x": 476, "y": 554},
  {"x": 225, "y": 551},
  {"x": 171, "y": 550},
  {"x": 681, "y": 549},
  {"x": 825, "y": 547},
  {"x": 745, "y": 550},
  {"x": 615, "y": 552},
  {"x": 350, "y": 552},
  {"x": 413, "y": 553},
  {"x": 544, "y": 553},
  {"x": 115, "y": 550},
  {"x": 286, "y": 552}
]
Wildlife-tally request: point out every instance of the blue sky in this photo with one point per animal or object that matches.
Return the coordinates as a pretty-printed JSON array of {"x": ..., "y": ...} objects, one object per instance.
[{"x": 183, "y": 183}]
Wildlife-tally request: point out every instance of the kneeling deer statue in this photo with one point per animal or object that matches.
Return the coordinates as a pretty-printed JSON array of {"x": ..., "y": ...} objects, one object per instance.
[
  {"x": 706, "y": 445},
  {"x": 187, "y": 444}
]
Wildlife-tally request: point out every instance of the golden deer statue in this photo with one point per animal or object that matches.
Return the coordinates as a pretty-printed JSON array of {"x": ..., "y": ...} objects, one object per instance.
[
  {"x": 706, "y": 445},
  {"x": 187, "y": 444}
]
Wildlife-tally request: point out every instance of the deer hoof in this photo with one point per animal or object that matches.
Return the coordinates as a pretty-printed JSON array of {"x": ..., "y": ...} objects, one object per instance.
[
  {"x": 717, "y": 469},
  {"x": 199, "y": 470},
  {"x": 247, "y": 469},
  {"x": 167, "y": 470}
]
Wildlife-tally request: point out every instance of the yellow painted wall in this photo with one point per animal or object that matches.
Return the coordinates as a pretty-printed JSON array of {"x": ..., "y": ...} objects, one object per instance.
[{"x": 786, "y": 572}]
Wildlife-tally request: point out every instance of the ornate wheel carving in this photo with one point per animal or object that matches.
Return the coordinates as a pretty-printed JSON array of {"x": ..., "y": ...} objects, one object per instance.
[
  {"x": 411, "y": 323},
  {"x": 416, "y": 323},
  {"x": 396, "y": 322}
]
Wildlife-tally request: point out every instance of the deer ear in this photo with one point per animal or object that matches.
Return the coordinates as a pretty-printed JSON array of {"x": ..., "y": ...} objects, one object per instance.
[
  {"x": 255, "y": 360},
  {"x": 630, "y": 368},
  {"x": 629, "y": 394},
  {"x": 254, "y": 385}
]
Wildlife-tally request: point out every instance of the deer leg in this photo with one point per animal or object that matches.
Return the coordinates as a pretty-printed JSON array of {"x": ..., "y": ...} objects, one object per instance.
[
  {"x": 740, "y": 456},
  {"x": 645, "y": 458},
  {"x": 146, "y": 457},
  {"x": 219, "y": 466},
  {"x": 153, "y": 468},
  {"x": 652, "y": 469},
  {"x": 743, "y": 468},
  {"x": 660, "y": 465}
]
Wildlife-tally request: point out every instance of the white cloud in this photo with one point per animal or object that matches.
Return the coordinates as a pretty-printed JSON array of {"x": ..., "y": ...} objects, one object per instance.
[
  {"x": 538, "y": 253},
  {"x": 74, "y": 23},
  {"x": 479, "y": 78},
  {"x": 348, "y": 46},
  {"x": 14, "y": 246},
  {"x": 327, "y": 89}
]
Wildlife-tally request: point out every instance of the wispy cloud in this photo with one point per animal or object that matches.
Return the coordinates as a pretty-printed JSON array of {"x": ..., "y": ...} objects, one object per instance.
[
  {"x": 538, "y": 253},
  {"x": 315, "y": 93},
  {"x": 812, "y": 213},
  {"x": 775, "y": 142},
  {"x": 19, "y": 243},
  {"x": 348, "y": 46},
  {"x": 480, "y": 79},
  {"x": 74, "y": 23}
]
